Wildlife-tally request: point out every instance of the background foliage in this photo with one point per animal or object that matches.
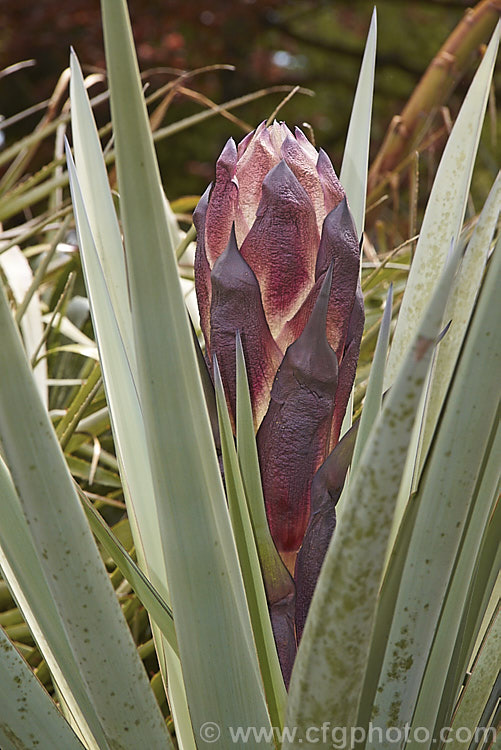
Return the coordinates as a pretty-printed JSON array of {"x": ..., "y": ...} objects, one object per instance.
[{"x": 314, "y": 43}]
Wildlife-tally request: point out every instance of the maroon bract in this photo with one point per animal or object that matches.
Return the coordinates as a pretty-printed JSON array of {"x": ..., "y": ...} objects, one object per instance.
[{"x": 277, "y": 259}]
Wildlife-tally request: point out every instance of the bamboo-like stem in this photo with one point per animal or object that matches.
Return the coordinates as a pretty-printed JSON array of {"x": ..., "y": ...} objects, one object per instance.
[{"x": 407, "y": 129}]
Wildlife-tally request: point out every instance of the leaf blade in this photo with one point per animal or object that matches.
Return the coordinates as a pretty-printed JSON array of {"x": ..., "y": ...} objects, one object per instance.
[
  {"x": 20, "y": 688},
  {"x": 77, "y": 577},
  {"x": 339, "y": 625},
  {"x": 356, "y": 151},
  {"x": 444, "y": 497},
  {"x": 249, "y": 562},
  {"x": 445, "y": 210},
  {"x": 220, "y": 653}
]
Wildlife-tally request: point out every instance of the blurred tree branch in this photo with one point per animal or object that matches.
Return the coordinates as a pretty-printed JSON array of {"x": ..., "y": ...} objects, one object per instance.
[{"x": 448, "y": 66}]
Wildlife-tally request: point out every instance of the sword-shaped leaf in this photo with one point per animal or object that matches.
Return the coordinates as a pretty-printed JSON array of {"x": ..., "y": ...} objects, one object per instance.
[
  {"x": 27, "y": 582},
  {"x": 444, "y": 654},
  {"x": 94, "y": 184},
  {"x": 353, "y": 175},
  {"x": 67, "y": 553},
  {"x": 328, "y": 675},
  {"x": 459, "y": 310},
  {"x": 374, "y": 393},
  {"x": 445, "y": 210},
  {"x": 19, "y": 276},
  {"x": 218, "y": 649},
  {"x": 278, "y": 583},
  {"x": 118, "y": 366},
  {"x": 441, "y": 226},
  {"x": 149, "y": 596},
  {"x": 29, "y": 717},
  {"x": 478, "y": 689},
  {"x": 445, "y": 512},
  {"x": 249, "y": 561}
]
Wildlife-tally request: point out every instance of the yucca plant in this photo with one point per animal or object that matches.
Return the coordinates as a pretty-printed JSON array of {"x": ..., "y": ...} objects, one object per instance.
[
  {"x": 291, "y": 293},
  {"x": 409, "y": 572}
]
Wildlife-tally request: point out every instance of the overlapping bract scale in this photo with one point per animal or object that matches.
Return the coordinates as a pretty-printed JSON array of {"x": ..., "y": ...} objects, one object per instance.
[{"x": 277, "y": 260}]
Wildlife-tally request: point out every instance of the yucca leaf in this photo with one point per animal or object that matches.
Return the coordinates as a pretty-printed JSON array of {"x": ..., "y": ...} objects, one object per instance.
[
  {"x": 444, "y": 497},
  {"x": 217, "y": 650},
  {"x": 208, "y": 388},
  {"x": 436, "y": 689},
  {"x": 70, "y": 330},
  {"x": 19, "y": 276},
  {"x": 150, "y": 598},
  {"x": 81, "y": 469},
  {"x": 480, "y": 592},
  {"x": 87, "y": 390},
  {"x": 384, "y": 615},
  {"x": 94, "y": 184},
  {"x": 328, "y": 674},
  {"x": 29, "y": 717},
  {"x": 371, "y": 409},
  {"x": 483, "y": 586},
  {"x": 130, "y": 438},
  {"x": 441, "y": 659},
  {"x": 249, "y": 562},
  {"x": 479, "y": 687},
  {"x": 34, "y": 598},
  {"x": 439, "y": 231},
  {"x": 374, "y": 393},
  {"x": 73, "y": 568},
  {"x": 459, "y": 310},
  {"x": 353, "y": 174},
  {"x": 89, "y": 352},
  {"x": 445, "y": 209}
]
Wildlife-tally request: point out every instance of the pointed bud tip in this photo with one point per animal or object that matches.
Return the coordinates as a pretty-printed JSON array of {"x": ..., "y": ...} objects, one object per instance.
[
  {"x": 201, "y": 209},
  {"x": 231, "y": 253},
  {"x": 311, "y": 352},
  {"x": 341, "y": 219},
  {"x": 228, "y": 157},
  {"x": 318, "y": 317},
  {"x": 280, "y": 174},
  {"x": 231, "y": 269},
  {"x": 323, "y": 161}
]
